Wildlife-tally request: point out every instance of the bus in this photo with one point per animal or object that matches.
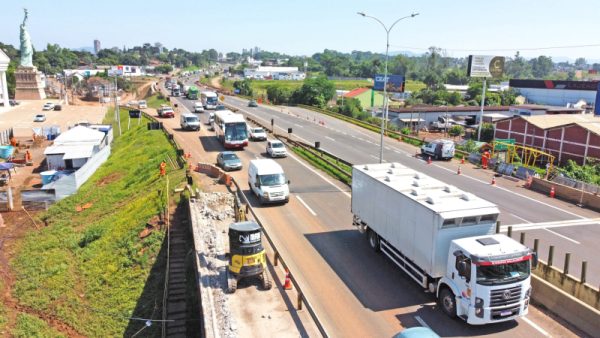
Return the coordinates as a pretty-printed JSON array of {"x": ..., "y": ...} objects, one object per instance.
[
  {"x": 231, "y": 129},
  {"x": 209, "y": 100}
]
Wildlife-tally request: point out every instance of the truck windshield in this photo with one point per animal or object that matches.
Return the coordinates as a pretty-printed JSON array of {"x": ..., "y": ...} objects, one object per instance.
[
  {"x": 272, "y": 179},
  {"x": 211, "y": 100},
  {"x": 236, "y": 131},
  {"x": 502, "y": 273}
]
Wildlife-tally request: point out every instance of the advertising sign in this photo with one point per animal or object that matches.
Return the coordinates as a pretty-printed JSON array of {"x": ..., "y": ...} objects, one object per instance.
[
  {"x": 485, "y": 66},
  {"x": 114, "y": 72},
  {"x": 597, "y": 103},
  {"x": 395, "y": 83}
]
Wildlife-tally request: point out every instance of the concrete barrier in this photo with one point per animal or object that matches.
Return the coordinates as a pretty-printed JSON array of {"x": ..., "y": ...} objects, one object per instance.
[
  {"x": 572, "y": 310},
  {"x": 570, "y": 285},
  {"x": 566, "y": 193}
]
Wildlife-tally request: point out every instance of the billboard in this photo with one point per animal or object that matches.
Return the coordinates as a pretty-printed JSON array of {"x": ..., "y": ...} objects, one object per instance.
[
  {"x": 485, "y": 66},
  {"x": 554, "y": 84},
  {"x": 597, "y": 103},
  {"x": 395, "y": 83}
]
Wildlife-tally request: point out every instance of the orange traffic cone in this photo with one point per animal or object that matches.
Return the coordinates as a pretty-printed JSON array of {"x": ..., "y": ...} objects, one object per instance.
[
  {"x": 493, "y": 180},
  {"x": 458, "y": 172},
  {"x": 287, "y": 285},
  {"x": 429, "y": 160},
  {"x": 462, "y": 160},
  {"x": 552, "y": 193}
]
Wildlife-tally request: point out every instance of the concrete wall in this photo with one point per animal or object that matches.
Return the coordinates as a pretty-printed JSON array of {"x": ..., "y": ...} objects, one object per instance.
[
  {"x": 567, "y": 193},
  {"x": 575, "y": 312}
]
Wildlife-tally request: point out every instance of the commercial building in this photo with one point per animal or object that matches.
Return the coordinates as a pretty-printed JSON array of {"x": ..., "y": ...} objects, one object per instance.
[
  {"x": 566, "y": 136},
  {"x": 556, "y": 92},
  {"x": 97, "y": 46},
  {"x": 4, "y": 61},
  {"x": 274, "y": 73},
  {"x": 367, "y": 97}
]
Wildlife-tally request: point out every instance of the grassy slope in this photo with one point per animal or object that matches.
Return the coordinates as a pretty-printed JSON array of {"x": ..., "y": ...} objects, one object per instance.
[{"x": 89, "y": 268}]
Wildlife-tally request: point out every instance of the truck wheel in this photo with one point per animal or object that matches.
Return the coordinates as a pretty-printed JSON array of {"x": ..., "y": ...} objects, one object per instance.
[
  {"x": 447, "y": 302},
  {"x": 374, "y": 240}
]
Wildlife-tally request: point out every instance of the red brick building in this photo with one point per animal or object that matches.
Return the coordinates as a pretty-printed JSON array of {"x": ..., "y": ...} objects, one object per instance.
[{"x": 575, "y": 137}]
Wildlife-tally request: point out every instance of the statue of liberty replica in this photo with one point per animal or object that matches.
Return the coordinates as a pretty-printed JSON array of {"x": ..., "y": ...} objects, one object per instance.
[{"x": 29, "y": 85}]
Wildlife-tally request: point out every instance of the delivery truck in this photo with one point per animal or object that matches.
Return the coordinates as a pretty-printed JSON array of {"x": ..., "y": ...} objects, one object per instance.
[{"x": 444, "y": 239}]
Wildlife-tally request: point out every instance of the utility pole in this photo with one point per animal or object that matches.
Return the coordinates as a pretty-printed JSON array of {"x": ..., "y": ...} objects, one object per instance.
[{"x": 117, "y": 115}]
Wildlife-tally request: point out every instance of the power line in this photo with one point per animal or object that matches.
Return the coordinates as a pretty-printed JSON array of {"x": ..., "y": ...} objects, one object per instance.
[{"x": 502, "y": 49}]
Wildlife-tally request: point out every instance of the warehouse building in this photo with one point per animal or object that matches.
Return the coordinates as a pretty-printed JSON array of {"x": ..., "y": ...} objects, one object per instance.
[
  {"x": 566, "y": 136},
  {"x": 556, "y": 92}
]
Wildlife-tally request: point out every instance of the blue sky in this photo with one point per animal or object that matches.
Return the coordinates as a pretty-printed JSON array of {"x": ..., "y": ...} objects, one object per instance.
[{"x": 460, "y": 27}]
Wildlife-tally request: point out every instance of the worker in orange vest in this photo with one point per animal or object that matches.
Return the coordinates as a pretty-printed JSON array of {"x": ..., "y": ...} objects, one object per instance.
[
  {"x": 27, "y": 156},
  {"x": 13, "y": 141},
  {"x": 163, "y": 168},
  {"x": 484, "y": 159}
]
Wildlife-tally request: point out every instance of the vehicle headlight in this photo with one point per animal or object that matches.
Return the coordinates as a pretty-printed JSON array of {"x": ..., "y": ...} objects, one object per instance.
[
  {"x": 528, "y": 293},
  {"x": 265, "y": 194},
  {"x": 479, "y": 312},
  {"x": 478, "y": 302}
]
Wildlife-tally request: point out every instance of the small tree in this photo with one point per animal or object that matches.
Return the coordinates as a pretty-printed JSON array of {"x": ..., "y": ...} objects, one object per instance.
[
  {"x": 487, "y": 132},
  {"x": 456, "y": 130}
]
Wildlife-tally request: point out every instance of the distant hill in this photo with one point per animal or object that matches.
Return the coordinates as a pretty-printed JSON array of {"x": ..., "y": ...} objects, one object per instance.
[{"x": 405, "y": 53}]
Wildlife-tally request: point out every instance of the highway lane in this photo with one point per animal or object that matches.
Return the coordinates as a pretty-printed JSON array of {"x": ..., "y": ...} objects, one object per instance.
[
  {"x": 517, "y": 204},
  {"x": 358, "y": 292}
]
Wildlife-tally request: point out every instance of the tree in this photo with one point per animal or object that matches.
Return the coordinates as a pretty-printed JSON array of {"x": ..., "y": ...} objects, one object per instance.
[
  {"x": 580, "y": 63},
  {"x": 315, "y": 92},
  {"x": 542, "y": 66},
  {"x": 456, "y": 130},
  {"x": 278, "y": 94},
  {"x": 164, "y": 68},
  {"x": 351, "y": 107},
  {"x": 244, "y": 86},
  {"x": 487, "y": 132}
]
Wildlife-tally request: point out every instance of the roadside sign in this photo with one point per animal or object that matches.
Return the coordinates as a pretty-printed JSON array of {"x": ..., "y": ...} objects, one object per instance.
[
  {"x": 222, "y": 98},
  {"x": 485, "y": 66},
  {"x": 597, "y": 103},
  {"x": 395, "y": 83}
]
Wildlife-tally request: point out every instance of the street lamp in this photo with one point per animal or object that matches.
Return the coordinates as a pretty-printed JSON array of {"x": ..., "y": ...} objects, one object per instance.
[{"x": 387, "y": 47}]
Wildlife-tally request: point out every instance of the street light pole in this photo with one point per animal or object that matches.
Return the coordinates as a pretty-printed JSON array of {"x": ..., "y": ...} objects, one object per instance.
[{"x": 385, "y": 75}]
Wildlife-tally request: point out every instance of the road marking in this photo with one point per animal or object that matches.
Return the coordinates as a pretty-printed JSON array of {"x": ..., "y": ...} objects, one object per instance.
[
  {"x": 521, "y": 218},
  {"x": 554, "y": 224},
  {"x": 318, "y": 174},
  {"x": 329, "y": 138},
  {"x": 375, "y": 157},
  {"x": 299, "y": 126},
  {"x": 514, "y": 193},
  {"x": 306, "y": 206},
  {"x": 422, "y": 322},
  {"x": 563, "y": 236},
  {"x": 535, "y": 326}
]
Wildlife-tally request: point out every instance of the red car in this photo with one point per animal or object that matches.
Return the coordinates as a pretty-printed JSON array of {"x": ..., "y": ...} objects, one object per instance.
[{"x": 166, "y": 112}]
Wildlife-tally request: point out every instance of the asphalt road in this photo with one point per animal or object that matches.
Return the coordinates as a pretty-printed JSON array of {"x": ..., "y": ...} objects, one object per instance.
[
  {"x": 355, "y": 291},
  {"x": 518, "y": 206}
]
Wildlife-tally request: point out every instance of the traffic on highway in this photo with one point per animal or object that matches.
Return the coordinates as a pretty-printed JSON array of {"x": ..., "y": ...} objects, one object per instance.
[{"x": 355, "y": 290}]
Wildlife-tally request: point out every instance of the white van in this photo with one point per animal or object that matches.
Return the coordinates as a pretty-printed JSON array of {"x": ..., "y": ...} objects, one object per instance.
[
  {"x": 439, "y": 149},
  {"x": 189, "y": 122},
  {"x": 198, "y": 108},
  {"x": 268, "y": 182}
]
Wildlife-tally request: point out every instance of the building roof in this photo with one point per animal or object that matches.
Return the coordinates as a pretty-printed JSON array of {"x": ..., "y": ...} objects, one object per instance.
[
  {"x": 276, "y": 69},
  {"x": 355, "y": 92},
  {"x": 553, "y": 121},
  {"x": 71, "y": 151},
  {"x": 79, "y": 135},
  {"x": 448, "y": 109}
]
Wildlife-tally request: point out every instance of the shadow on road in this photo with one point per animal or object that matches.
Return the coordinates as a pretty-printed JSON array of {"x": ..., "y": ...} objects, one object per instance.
[{"x": 210, "y": 144}]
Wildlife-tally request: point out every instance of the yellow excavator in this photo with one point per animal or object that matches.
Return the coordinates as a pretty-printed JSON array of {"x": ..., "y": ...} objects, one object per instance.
[{"x": 247, "y": 256}]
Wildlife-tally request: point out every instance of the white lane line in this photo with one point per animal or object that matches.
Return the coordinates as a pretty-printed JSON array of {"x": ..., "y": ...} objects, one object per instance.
[
  {"x": 306, "y": 206},
  {"x": 375, "y": 157},
  {"x": 554, "y": 224},
  {"x": 318, "y": 174},
  {"x": 562, "y": 236},
  {"x": 422, "y": 322},
  {"x": 299, "y": 126},
  {"x": 535, "y": 326},
  {"x": 517, "y": 194},
  {"x": 521, "y": 218},
  {"x": 329, "y": 138}
]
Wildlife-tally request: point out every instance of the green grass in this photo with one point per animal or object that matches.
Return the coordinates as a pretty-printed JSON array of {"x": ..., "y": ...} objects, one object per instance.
[
  {"x": 154, "y": 101},
  {"x": 3, "y": 318},
  {"x": 318, "y": 162},
  {"x": 90, "y": 269},
  {"x": 31, "y": 326},
  {"x": 414, "y": 86}
]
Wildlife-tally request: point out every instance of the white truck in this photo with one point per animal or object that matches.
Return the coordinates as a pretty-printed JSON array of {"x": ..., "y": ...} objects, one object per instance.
[
  {"x": 443, "y": 238},
  {"x": 438, "y": 149}
]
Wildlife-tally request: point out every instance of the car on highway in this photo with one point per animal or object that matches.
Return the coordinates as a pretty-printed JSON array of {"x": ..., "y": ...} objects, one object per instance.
[
  {"x": 165, "y": 111},
  {"x": 211, "y": 118},
  {"x": 39, "y": 118},
  {"x": 48, "y": 106},
  {"x": 252, "y": 103},
  {"x": 57, "y": 107},
  {"x": 228, "y": 160},
  {"x": 142, "y": 104},
  {"x": 276, "y": 148},
  {"x": 220, "y": 107},
  {"x": 11, "y": 102},
  {"x": 257, "y": 134},
  {"x": 132, "y": 104},
  {"x": 438, "y": 149},
  {"x": 417, "y": 332},
  {"x": 198, "y": 107}
]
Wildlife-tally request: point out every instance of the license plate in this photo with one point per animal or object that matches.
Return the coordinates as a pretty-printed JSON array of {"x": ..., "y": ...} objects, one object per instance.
[
  {"x": 505, "y": 313},
  {"x": 250, "y": 260}
]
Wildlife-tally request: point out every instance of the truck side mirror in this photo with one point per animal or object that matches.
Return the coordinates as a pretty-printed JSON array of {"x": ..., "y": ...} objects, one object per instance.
[
  {"x": 288, "y": 181},
  {"x": 534, "y": 260},
  {"x": 462, "y": 268}
]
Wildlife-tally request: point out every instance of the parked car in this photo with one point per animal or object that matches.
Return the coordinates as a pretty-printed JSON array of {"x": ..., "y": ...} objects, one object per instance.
[
  {"x": 228, "y": 160},
  {"x": 48, "y": 106},
  {"x": 39, "y": 118},
  {"x": 257, "y": 134},
  {"x": 276, "y": 148},
  {"x": 252, "y": 103},
  {"x": 438, "y": 149},
  {"x": 57, "y": 107}
]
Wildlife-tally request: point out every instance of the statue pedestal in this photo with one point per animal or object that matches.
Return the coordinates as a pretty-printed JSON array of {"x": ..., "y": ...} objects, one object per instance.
[{"x": 29, "y": 85}]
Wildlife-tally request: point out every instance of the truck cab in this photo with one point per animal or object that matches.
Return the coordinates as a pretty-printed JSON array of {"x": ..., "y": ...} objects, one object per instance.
[{"x": 487, "y": 279}]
